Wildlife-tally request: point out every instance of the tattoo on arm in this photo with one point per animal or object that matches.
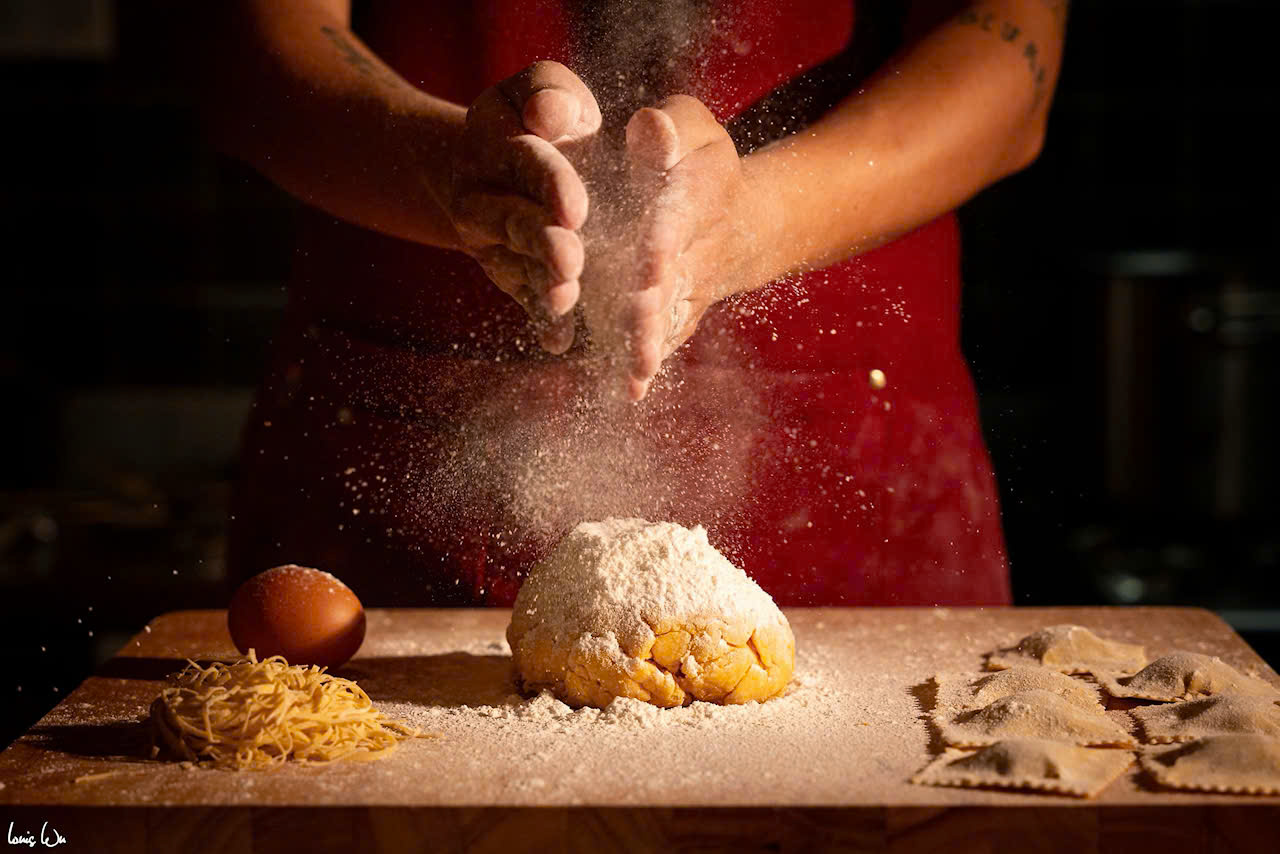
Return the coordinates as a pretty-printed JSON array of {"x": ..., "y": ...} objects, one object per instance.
[
  {"x": 360, "y": 60},
  {"x": 1013, "y": 35},
  {"x": 1058, "y": 7}
]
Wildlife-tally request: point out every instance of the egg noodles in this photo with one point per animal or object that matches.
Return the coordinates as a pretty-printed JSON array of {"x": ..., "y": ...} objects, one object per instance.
[{"x": 258, "y": 714}]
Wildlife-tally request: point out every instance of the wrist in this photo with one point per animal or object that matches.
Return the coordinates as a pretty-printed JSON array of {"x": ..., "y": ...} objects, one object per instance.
[
  {"x": 422, "y": 139},
  {"x": 429, "y": 133},
  {"x": 759, "y": 228}
]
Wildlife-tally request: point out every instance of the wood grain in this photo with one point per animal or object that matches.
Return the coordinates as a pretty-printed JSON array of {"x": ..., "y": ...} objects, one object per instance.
[{"x": 456, "y": 797}]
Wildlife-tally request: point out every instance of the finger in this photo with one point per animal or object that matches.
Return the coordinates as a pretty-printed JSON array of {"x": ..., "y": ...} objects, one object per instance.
[
  {"x": 512, "y": 273},
  {"x": 504, "y": 268},
  {"x": 501, "y": 151},
  {"x": 551, "y": 114},
  {"x": 525, "y": 296},
  {"x": 564, "y": 257},
  {"x": 557, "y": 294},
  {"x": 652, "y": 140},
  {"x": 522, "y": 226},
  {"x": 659, "y": 138},
  {"x": 544, "y": 174},
  {"x": 637, "y": 389},
  {"x": 555, "y": 332},
  {"x": 683, "y": 322},
  {"x": 666, "y": 232},
  {"x": 654, "y": 313},
  {"x": 645, "y": 346},
  {"x": 556, "y": 336},
  {"x": 645, "y": 317},
  {"x": 561, "y": 297},
  {"x": 552, "y": 101},
  {"x": 491, "y": 121},
  {"x": 532, "y": 168},
  {"x": 558, "y": 250}
]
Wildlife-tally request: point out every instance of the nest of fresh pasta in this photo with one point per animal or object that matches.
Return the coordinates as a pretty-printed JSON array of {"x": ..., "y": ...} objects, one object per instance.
[{"x": 261, "y": 714}]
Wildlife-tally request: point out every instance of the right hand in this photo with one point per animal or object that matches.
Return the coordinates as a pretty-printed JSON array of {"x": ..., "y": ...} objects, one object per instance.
[{"x": 515, "y": 200}]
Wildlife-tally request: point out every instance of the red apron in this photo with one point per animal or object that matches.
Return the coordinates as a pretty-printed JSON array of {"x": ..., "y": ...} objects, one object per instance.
[{"x": 412, "y": 439}]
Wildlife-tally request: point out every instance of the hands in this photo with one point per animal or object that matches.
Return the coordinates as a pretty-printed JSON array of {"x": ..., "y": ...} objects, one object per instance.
[
  {"x": 667, "y": 238},
  {"x": 675, "y": 243},
  {"x": 515, "y": 200}
]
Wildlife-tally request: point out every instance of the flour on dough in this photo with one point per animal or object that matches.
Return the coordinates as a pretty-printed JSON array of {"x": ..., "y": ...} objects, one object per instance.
[
  {"x": 1031, "y": 714},
  {"x": 1182, "y": 675},
  {"x": 1216, "y": 715},
  {"x": 964, "y": 691},
  {"x": 1070, "y": 649},
  {"x": 650, "y": 611},
  {"x": 1241, "y": 763},
  {"x": 1029, "y": 763}
]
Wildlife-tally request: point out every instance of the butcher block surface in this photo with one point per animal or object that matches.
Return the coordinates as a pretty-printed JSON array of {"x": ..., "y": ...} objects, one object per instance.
[{"x": 856, "y": 742}]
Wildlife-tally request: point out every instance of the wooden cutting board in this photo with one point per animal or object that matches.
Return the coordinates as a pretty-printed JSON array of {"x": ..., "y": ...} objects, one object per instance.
[{"x": 827, "y": 767}]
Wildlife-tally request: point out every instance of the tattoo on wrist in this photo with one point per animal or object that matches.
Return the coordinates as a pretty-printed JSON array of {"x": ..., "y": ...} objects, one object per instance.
[
  {"x": 1012, "y": 34},
  {"x": 360, "y": 60}
]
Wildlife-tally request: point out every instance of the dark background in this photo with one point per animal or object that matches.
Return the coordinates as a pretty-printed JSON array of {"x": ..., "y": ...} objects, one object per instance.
[{"x": 1122, "y": 322}]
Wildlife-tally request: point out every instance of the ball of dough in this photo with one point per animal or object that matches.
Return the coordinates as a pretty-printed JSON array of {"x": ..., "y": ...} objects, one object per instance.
[{"x": 651, "y": 611}]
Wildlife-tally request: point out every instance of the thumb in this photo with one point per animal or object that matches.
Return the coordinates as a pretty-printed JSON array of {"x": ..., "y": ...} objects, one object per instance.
[
  {"x": 553, "y": 102},
  {"x": 658, "y": 138}
]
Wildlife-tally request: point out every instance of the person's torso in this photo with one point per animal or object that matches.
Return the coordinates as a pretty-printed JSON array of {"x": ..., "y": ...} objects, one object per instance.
[{"x": 412, "y": 436}]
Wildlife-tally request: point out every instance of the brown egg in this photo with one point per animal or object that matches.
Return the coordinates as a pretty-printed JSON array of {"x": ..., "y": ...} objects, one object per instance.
[{"x": 306, "y": 615}]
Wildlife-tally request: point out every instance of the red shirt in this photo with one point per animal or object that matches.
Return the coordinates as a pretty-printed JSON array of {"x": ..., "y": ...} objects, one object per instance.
[{"x": 411, "y": 439}]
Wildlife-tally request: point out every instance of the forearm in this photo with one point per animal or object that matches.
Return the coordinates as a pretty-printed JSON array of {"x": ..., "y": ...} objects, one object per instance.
[
  {"x": 956, "y": 112},
  {"x": 291, "y": 90}
]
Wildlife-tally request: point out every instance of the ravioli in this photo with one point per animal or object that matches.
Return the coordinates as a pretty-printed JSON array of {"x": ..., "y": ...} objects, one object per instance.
[
  {"x": 1182, "y": 675},
  {"x": 1031, "y": 714},
  {"x": 1070, "y": 649},
  {"x": 963, "y": 691},
  {"x": 1243, "y": 763},
  {"x": 1029, "y": 763},
  {"x": 1218, "y": 715}
]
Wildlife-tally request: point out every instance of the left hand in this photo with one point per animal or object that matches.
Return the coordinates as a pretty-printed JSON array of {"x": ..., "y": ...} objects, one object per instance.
[
  {"x": 516, "y": 201},
  {"x": 679, "y": 247}
]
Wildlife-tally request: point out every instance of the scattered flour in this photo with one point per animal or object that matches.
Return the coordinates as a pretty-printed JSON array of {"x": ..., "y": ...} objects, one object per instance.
[{"x": 811, "y": 697}]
